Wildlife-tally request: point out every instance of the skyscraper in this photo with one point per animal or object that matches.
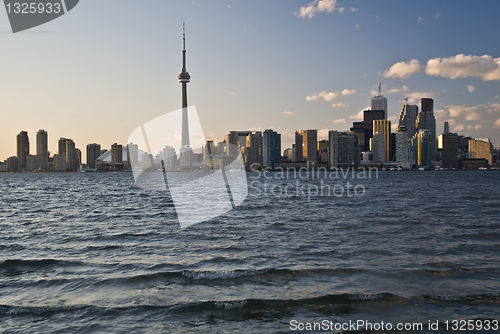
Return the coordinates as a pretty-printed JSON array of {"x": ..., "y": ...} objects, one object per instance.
[
  {"x": 379, "y": 102},
  {"x": 427, "y": 121},
  {"x": 424, "y": 148},
  {"x": 23, "y": 148},
  {"x": 378, "y": 147},
  {"x": 368, "y": 117},
  {"x": 42, "y": 149},
  {"x": 450, "y": 150},
  {"x": 402, "y": 147},
  {"x": 186, "y": 154},
  {"x": 407, "y": 118},
  {"x": 93, "y": 152},
  {"x": 343, "y": 149},
  {"x": 253, "y": 149},
  {"x": 384, "y": 126},
  {"x": 116, "y": 154},
  {"x": 62, "y": 147},
  {"x": 71, "y": 155},
  {"x": 271, "y": 148},
  {"x": 446, "y": 127}
]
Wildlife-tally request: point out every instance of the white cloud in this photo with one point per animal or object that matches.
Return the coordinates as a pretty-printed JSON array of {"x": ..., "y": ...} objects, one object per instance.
[
  {"x": 440, "y": 113},
  {"x": 473, "y": 116},
  {"x": 403, "y": 70},
  {"x": 459, "y": 127},
  {"x": 394, "y": 126},
  {"x": 352, "y": 9},
  {"x": 348, "y": 92},
  {"x": 452, "y": 121},
  {"x": 359, "y": 115},
  {"x": 495, "y": 97},
  {"x": 416, "y": 96},
  {"x": 323, "y": 134},
  {"x": 317, "y": 6},
  {"x": 398, "y": 90},
  {"x": 460, "y": 66},
  {"x": 438, "y": 16},
  {"x": 475, "y": 113},
  {"x": 323, "y": 95},
  {"x": 471, "y": 88},
  {"x": 232, "y": 93},
  {"x": 339, "y": 121},
  {"x": 420, "y": 19},
  {"x": 497, "y": 123},
  {"x": 288, "y": 112},
  {"x": 357, "y": 26},
  {"x": 340, "y": 104},
  {"x": 474, "y": 127},
  {"x": 341, "y": 10}
]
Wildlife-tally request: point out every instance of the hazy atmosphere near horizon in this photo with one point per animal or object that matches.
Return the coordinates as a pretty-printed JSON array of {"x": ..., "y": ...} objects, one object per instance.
[{"x": 100, "y": 71}]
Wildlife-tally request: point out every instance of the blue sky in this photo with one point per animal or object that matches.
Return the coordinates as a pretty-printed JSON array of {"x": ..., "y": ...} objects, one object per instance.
[{"x": 99, "y": 72}]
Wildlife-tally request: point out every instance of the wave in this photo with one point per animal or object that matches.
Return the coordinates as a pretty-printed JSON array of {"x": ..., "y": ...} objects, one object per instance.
[
  {"x": 263, "y": 309},
  {"x": 36, "y": 263}
]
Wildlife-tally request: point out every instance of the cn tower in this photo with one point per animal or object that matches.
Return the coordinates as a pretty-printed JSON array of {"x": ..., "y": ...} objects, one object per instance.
[{"x": 184, "y": 79}]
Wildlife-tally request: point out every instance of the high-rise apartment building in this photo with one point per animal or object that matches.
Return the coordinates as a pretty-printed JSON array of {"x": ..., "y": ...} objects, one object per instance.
[
  {"x": 342, "y": 149},
  {"x": 23, "y": 149},
  {"x": 402, "y": 148},
  {"x": 306, "y": 146},
  {"x": 116, "y": 153},
  {"x": 384, "y": 126},
  {"x": 378, "y": 147},
  {"x": 253, "y": 149},
  {"x": 368, "y": 117},
  {"x": 42, "y": 148},
  {"x": 407, "y": 118},
  {"x": 93, "y": 152},
  {"x": 271, "y": 148},
  {"x": 71, "y": 155}
]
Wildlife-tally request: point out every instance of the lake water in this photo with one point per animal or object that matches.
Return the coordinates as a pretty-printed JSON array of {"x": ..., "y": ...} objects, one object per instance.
[{"x": 92, "y": 253}]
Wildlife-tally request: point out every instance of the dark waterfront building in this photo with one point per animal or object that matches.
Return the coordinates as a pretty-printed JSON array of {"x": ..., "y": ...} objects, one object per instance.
[
  {"x": 271, "y": 148},
  {"x": 359, "y": 130},
  {"x": 368, "y": 117},
  {"x": 427, "y": 121},
  {"x": 450, "y": 150},
  {"x": 42, "y": 148},
  {"x": 93, "y": 152},
  {"x": 306, "y": 145},
  {"x": 392, "y": 147},
  {"x": 23, "y": 149},
  {"x": 343, "y": 149},
  {"x": 253, "y": 149}
]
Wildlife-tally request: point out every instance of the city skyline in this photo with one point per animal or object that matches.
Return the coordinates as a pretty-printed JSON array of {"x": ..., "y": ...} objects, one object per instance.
[{"x": 253, "y": 68}]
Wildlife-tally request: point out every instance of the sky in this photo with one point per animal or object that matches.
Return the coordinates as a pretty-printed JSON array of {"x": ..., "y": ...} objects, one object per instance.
[{"x": 97, "y": 73}]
